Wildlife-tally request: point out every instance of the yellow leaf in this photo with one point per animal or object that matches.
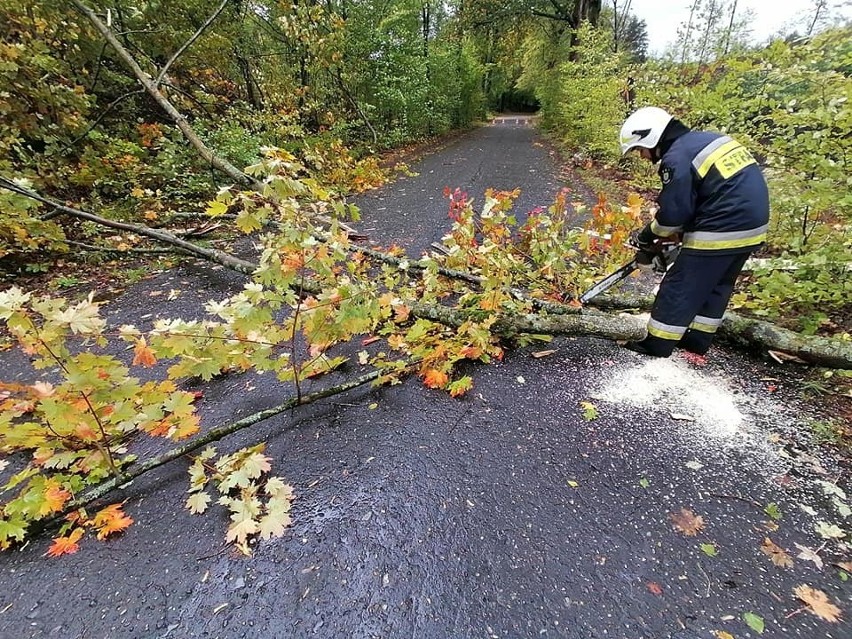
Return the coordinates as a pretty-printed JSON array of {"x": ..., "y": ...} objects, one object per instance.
[
  {"x": 818, "y": 603},
  {"x": 721, "y": 634},
  {"x": 274, "y": 523},
  {"x": 256, "y": 464},
  {"x": 197, "y": 503},
  {"x": 216, "y": 208},
  {"x": 82, "y": 318},
  {"x": 241, "y": 529}
]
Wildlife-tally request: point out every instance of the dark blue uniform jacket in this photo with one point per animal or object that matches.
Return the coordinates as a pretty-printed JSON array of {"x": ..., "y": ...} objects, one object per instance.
[{"x": 713, "y": 193}]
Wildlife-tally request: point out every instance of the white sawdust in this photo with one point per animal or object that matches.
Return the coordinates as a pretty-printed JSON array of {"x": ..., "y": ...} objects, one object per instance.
[{"x": 694, "y": 406}]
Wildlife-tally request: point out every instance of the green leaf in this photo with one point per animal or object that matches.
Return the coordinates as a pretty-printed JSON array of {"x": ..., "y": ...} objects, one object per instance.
[
  {"x": 13, "y": 529},
  {"x": 644, "y": 483},
  {"x": 773, "y": 511},
  {"x": 709, "y": 549},
  {"x": 755, "y": 622},
  {"x": 590, "y": 411}
]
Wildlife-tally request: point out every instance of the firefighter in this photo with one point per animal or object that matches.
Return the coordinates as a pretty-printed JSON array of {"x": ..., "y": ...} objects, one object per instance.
[{"x": 715, "y": 197}]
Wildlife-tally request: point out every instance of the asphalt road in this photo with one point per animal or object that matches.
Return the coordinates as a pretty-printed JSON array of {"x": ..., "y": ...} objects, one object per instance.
[{"x": 513, "y": 512}]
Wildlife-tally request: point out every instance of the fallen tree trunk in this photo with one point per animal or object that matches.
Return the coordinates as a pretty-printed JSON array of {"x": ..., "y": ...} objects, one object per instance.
[
  {"x": 757, "y": 334},
  {"x": 821, "y": 351},
  {"x": 622, "y": 327},
  {"x": 557, "y": 319}
]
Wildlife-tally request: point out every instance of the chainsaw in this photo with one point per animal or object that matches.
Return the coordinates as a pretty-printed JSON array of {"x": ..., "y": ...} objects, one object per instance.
[{"x": 659, "y": 257}]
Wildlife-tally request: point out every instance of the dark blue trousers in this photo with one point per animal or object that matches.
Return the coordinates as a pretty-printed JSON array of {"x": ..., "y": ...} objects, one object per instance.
[{"x": 691, "y": 302}]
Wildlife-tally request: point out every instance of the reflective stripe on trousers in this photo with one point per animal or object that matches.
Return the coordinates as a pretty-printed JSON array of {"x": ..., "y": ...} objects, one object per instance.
[{"x": 691, "y": 302}]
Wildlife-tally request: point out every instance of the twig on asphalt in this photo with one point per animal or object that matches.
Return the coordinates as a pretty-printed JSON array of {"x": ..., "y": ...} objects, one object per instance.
[{"x": 754, "y": 503}]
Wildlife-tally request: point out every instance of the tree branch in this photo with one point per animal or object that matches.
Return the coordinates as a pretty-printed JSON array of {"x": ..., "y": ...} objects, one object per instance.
[
  {"x": 214, "y": 435},
  {"x": 102, "y": 116},
  {"x": 212, "y": 255},
  {"x": 189, "y": 42},
  {"x": 151, "y": 87}
]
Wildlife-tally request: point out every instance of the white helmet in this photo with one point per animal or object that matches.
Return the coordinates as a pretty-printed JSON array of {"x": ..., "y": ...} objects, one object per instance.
[{"x": 643, "y": 128}]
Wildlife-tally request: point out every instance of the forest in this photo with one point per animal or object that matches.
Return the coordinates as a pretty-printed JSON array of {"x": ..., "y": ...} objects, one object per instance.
[{"x": 126, "y": 122}]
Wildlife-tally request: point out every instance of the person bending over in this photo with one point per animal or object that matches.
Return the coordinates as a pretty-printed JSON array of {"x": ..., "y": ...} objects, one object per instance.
[{"x": 715, "y": 197}]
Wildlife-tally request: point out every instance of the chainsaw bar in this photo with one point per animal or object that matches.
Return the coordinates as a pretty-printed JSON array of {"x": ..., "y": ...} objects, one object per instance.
[{"x": 610, "y": 280}]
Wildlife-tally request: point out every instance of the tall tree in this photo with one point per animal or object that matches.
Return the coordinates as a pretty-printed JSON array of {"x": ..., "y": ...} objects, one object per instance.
[{"x": 629, "y": 33}]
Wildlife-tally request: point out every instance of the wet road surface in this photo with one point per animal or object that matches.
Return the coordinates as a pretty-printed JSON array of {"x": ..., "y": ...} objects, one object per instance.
[{"x": 516, "y": 511}]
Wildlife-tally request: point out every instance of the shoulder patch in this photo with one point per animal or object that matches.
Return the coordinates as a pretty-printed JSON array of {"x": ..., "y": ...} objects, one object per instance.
[{"x": 666, "y": 174}]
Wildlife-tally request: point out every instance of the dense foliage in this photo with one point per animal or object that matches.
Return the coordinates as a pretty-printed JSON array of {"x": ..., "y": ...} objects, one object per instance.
[
  {"x": 788, "y": 101},
  {"x": 327, "y": 82}
]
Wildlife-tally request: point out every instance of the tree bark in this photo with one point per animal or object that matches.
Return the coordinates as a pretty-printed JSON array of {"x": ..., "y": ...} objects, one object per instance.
[{"x": 757, "y": 334}]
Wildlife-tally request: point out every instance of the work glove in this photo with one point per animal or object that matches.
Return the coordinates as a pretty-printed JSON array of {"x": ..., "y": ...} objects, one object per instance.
[{"x": 643, "y": 239}]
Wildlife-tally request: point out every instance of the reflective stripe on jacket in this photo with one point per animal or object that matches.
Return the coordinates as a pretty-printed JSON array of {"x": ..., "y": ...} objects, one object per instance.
[{"x": 714, "y": 193}]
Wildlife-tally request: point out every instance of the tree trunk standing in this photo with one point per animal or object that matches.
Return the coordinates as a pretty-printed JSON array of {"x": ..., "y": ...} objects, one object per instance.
[
  {"x": 819, "y": 5},
  {"x": 252, "y": 90},
  {"x": 582, "y": 10},
  {"x": 489, "y": 62},
  {"x": 425, "y": 28},
  {"x": 619, "y": 20},
  {"x": 711, "y": 17},
  {"x": 685, "y": 45},
  {"x": 730, "y": 28},
  {"x": 586, "y": 10},
  {"x": 304, "y": 79}
]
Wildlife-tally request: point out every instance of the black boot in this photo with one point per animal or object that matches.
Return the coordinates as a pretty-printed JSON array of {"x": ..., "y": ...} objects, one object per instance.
[{"x": 642, "y": 347}]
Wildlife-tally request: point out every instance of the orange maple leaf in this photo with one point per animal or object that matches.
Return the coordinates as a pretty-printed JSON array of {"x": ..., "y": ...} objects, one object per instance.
[
  {"x": 85, "y": 432},
  {"x": 65, "y": 545},
  {"x": 401, "y": 312},
  {"x": 143, "y": 354},
  {"x": 433, "y": 378},
  {"x": 293, "y": 261},
  {"x": 55, "y": 497},
  {"x": 687, "y": 522},
  {"x": 111, "y": 520},
  {"x": 777, "y": 554},
  {"x": 160, "y": 428},
  {"x": 654, "y": 588},
  {"x": 471, "y": 352}
]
